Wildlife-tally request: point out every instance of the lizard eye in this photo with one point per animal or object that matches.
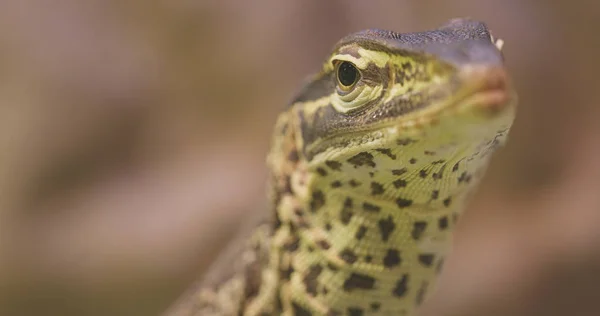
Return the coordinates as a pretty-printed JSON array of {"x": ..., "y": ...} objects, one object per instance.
[
  {"x": 347, "y": 75},
  {"x": 352, "y": 86}
]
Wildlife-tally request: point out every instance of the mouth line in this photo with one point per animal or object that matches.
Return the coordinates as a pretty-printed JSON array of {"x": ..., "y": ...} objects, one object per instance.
[
  {"x": 488, "y": 101},
  {"x": 491, "y": 89}
]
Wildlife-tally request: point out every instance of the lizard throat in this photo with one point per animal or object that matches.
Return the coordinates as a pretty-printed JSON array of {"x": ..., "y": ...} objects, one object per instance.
[{"x": 365, "y": 234}]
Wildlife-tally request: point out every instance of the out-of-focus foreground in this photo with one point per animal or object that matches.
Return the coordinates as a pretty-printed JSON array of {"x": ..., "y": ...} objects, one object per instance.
[{"x": 133, "y": 135}]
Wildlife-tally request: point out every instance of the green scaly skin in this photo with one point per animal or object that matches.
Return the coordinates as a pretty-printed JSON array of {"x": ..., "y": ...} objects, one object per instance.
[{"x": 371, "y": 166}]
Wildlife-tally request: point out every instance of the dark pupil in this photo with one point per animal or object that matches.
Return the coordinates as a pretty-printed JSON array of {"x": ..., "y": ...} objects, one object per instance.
[{"x": 347, "y": 74}]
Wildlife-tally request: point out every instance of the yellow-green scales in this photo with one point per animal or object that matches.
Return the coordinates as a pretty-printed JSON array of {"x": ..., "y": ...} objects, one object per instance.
[{"x": 371, "y": 166}]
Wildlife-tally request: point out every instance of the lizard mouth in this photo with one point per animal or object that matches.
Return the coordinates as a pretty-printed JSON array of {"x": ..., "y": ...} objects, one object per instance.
[{"x": 488, "y": 89}]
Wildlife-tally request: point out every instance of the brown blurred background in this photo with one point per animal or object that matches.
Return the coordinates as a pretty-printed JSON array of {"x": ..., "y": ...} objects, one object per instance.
[{"x": 133, "y": 135}]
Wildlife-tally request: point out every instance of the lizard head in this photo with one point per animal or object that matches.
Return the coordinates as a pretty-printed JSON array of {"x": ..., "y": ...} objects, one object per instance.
[{"x": 385, "y": 101}]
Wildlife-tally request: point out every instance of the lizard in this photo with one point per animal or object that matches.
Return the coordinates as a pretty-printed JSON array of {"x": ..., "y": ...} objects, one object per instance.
[{"x": 371, "y": 165}]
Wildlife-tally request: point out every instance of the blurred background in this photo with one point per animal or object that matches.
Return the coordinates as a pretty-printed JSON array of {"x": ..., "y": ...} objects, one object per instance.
[{"x": 133, "y": 136}]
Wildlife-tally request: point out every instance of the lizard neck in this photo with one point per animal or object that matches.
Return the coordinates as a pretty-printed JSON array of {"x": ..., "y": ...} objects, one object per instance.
[
  {"x": 369, "y": 232},
  {"x": 355, "y": 251}
]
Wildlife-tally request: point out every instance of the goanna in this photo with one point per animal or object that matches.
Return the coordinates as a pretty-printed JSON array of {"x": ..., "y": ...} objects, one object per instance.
[{"x": 371, "y": 165}]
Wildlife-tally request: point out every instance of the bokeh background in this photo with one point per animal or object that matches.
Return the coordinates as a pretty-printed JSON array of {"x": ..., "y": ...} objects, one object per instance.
[{"x": 133, "y": 135}]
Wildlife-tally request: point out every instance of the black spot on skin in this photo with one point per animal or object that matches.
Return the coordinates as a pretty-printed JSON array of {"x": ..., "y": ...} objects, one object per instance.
[
  {"x": 421, "y": 294},
  {"x": 426, "y": 259},
  {"x": 386, "y": 227},
  {"x": 336, "y": 184},
  {"x": 310, "y": 248},
  {"x": 348, "y": 255},
  {"x": 368, "y": 207},
  {"x": 253, "y": 282},
  {"x": 362, "y": 159},
  {"x": 438, "y": 175},
  {"x": 405, "y": 141},
  {"x": 310, "y": 279},
  {"x": 423, "y": 173},
  {"x": 464, "y": 177},
  {"x": 324, "y": 244},
  {"x": 291, "y": 245},
  {"x": 376, "y": 188},
  {"x": 371, "y": 174},
  {"x": 435, "y": 194},
  {"x": 403, "y": 203},
  {"x": 401, "y": 286},
  {"x": 400, "y": 183},
  {"x": 325, "y": 290},
  {"x": 285, "y": 274},
  {"x": 347, "y": 213},
  {"x": 455, "y": 167},
  {"x": 359, "y": 281},
  {"x": 429, "y": 153},
  {"x": 318, "y": 200},
  {"x": 360, "y": 233},
  {"x": 418, "y": 229},
  {"x": 287, "y": 187},
  {"x": 392, "y": 258},
  {"x": 333, "y": 165},
  {"x": 447, "y": 201},
  {"x": 413, "y": 161},
  {"x": 278, "y": 221},
  {"x": 375, "y": 306},
  {"x": 300, "y": 311},
  {"x": 328, "y": 226},
  {"x": 443, "y": 222},
  {"x": 332, "y": 267},
  {"x": 355, "y": 311},
  {"x": 399, "y": 172},
  {"x": 387, "y": 152},
  {"x": 321, "y": 171},
  {"x": 368, "y": 258},
  {"x": 293, "y": 156},
  {"x": 353, "y": 183}
]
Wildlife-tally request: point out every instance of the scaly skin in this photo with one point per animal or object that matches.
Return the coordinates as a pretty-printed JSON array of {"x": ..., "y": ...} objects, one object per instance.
[{"x": 372, "y": 164}]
